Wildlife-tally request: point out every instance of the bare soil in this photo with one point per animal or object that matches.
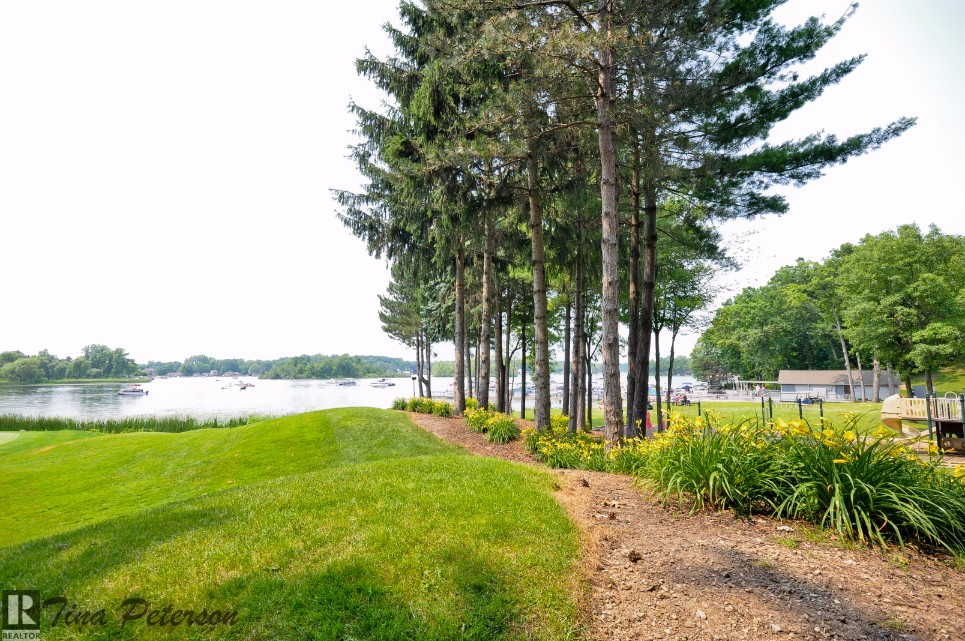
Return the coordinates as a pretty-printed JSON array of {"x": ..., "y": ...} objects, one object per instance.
[{"x": 657, "y": 572}]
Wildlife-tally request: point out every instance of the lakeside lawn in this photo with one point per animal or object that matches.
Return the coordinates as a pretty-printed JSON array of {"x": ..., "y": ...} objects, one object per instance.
[
  {"x": 336, "y": 524},
  {"x": 866, "y": 415}
]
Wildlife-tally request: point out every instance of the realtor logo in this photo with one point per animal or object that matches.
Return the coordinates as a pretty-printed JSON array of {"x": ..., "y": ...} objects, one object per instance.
[{"x": 21, "y": 615}]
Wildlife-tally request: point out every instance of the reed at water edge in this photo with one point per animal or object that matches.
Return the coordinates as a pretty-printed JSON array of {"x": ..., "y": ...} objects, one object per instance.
[{"x": 13, "y": 422}]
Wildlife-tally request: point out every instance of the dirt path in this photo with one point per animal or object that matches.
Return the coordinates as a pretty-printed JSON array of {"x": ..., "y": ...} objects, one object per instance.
[{"x": 658, "y": 574}]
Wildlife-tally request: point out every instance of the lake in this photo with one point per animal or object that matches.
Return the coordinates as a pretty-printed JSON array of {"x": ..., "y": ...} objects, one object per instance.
[
  {"x": 200, "y": 397},
  {"x": 208, "y": 397}
]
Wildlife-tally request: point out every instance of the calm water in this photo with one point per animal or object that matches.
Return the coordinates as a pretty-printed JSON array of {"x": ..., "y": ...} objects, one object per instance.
[
  {"x": 206, "y": 398},
  {"x": 197, "y": 397}
]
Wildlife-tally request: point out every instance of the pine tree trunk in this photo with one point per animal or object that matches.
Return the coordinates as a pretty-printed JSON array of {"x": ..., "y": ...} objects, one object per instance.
[
  {"x": 864, "y": 396},
  {"x": 645, "y": 330},
  {"x": 485, "y": 325},
  {"x": 578, "y": 381},
  {"x": 908, "y": 387},
  {"x": 476, "y": 370},
  {"x": 632, "y": 338},
  {"x": 459, "y": 389},
  {"x": 418, "y": 361},
  {"x": 469, "y": 377},
  {"x": 844, "y": 349},
  {"x": 498, "y": 349},
  {"x": 566, "y": 358},
  {"x": 541, "y": 371},
  {"x": 588, "y": 367},
  {"x": 522, "y": 386},
  {"x": 876, "y": 381},
  {"x": 656, "y": 356},
  {"x": 580, "y": 395},
  {"x": 673, "y": 343},
  {"x": 428, "y": 346},
  {"x": 507, "y": 362},
  {"x": 610, "y": 300}
]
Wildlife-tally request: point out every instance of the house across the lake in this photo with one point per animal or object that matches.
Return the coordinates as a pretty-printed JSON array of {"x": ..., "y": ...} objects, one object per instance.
[{"x": 830, "y": 384}]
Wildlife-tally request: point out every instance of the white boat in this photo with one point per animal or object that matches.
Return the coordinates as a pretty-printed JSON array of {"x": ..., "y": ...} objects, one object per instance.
[
  {"x": 383, "y": 382},
  {"x": 347, "y": 382},
  {"x": 133, "y": 390}
]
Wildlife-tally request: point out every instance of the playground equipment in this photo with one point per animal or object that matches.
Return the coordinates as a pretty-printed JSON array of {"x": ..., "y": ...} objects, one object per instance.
[{"x": 943, "y": 416}]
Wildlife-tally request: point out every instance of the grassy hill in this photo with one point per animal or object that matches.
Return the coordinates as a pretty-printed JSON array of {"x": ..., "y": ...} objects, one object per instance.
[
  {"x": 341, "y": 524},
  {"x": 948, "y": 379}
]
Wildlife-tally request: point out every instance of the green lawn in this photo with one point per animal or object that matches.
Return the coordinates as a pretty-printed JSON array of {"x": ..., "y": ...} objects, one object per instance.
[
  {"x": 867, "y": 414},
  {"x": 341, "y": 524}
]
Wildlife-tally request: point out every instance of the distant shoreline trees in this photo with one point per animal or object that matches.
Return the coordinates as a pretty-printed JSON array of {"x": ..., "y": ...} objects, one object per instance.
[{"x": 98, "y": 362}]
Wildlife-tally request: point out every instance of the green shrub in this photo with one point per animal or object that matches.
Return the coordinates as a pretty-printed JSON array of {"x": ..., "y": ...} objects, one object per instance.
[
  {"x": 559, "y": 449},
  {"x": 420, "y": 404},
  {"x": 631, "y": 457},
  {"x": 501, "y": 428},
  {"x": 870, "y": 488},
  {"x": 724, "y": 467},
  {"x": 400, "y": 404},
  {"x": 560, "y": 422},
  {"x": 531, "y": 440},
  {"x": 441, "y": 408},
  {"x": 476, "y": 419},
  {"x": 471, "y": 403}
]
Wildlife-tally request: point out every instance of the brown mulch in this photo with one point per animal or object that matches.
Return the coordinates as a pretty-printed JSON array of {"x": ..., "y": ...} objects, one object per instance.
[{"x": 657, "y": 573}]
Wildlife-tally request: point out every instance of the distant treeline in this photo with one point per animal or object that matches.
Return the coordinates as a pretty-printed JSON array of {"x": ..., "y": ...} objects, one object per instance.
[
  {"x": 100, "y": 362},
  {"x": 96, "y": 361},
  {"x": 343, "y": 366},
  {"x": 288, "y": 367}
]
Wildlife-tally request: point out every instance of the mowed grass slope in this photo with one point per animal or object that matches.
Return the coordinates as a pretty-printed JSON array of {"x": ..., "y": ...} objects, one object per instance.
[
  {"x": 68, "y": 479},
  {"x": 332, "y": 525}
]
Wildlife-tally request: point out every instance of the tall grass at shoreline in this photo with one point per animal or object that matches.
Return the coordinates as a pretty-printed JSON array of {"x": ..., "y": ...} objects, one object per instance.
[{"x": 174, "y": 424}]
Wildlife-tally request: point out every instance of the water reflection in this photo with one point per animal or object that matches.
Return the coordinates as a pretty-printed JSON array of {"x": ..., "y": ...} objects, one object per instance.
[
  {"x": 221, "y": 398},
  {"x": 198, "y": 397}
]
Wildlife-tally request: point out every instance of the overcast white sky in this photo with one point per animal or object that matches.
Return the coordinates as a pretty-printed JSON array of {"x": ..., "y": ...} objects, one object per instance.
[{"x": 165, "y": 169}]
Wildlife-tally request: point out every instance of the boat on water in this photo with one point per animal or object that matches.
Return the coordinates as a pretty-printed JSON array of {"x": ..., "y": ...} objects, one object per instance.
[
  {"x": 245, "y": 386},
  {"x": 383, "y": 382},
  {"x": 347, "y": 382},
  {"x": 133, "y": 390}
]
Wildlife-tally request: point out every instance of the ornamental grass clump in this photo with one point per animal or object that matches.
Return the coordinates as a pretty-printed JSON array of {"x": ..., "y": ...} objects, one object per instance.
[
  {"x": 558, "y": 448},
  {"x": 717, "y": 466},
  {"x": 476, "y": 419},
  {"x": 869, "y": 487},
  {"x": 501, "y": 428},
  {"x": 441, "y": 408},
  {"x": 424, "y": 406}
]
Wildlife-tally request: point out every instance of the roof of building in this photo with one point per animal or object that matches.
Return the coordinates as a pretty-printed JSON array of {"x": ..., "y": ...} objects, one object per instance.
[{"x": 829, "y": 377}]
